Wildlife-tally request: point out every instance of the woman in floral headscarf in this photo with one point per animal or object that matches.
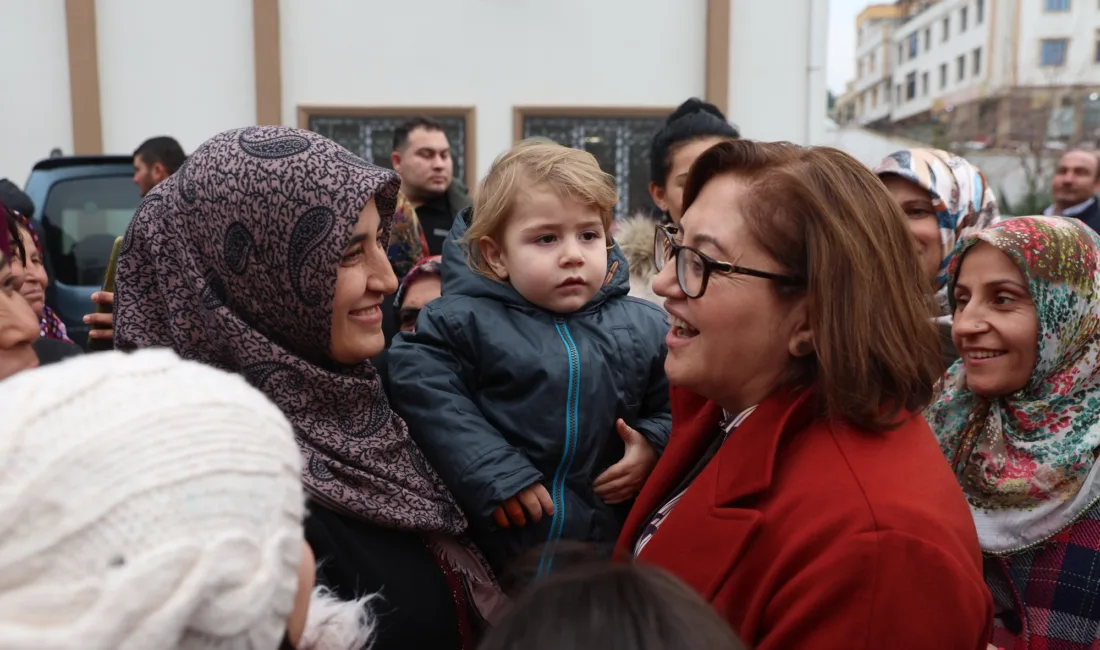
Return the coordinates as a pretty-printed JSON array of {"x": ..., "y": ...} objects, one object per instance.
[
  {"x": 946, "y": 198},
  {"x": 1019, "y": 422}
]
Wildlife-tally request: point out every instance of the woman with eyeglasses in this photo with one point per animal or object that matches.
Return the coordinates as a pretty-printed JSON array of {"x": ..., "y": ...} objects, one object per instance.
[{"x": 802, "y": 492}]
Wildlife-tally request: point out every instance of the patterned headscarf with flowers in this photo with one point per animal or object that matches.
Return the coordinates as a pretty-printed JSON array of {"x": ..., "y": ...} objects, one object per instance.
[{"x": 1026, "y": 460}]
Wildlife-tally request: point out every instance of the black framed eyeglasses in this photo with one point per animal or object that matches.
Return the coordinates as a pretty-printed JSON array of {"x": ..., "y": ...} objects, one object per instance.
[{"x": 693, "y": 269}]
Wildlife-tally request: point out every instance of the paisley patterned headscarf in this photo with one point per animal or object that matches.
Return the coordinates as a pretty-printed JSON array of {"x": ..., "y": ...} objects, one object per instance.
[
  {"x": 963, "y": 201},
  {"x": 50, "y": 325},
  {"x": 232, "y": 261},
  {"x": 1026, "y": 460}
]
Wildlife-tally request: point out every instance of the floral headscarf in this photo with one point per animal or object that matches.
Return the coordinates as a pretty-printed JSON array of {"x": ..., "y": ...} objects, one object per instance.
[
  {"x": 50, "y": 325},
  {"x": 428, "y": 266},
  {"x": 1025, "y": 460},
  {"x": 963, "y": 201},
  {"x": 407, "y": 241}
]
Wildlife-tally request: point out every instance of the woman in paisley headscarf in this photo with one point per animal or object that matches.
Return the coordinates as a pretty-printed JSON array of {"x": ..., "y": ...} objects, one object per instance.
[
  {"x": 266, "y": 255},
  {"x": 1019, "y": 422},
  {"x": 946, "y": 198}
]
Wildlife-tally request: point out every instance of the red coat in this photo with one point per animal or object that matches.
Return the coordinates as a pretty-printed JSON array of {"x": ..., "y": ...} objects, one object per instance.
[{"x": 809, "y": 533}]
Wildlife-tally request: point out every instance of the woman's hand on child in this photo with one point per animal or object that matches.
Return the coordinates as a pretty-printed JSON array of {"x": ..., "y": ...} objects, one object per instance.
[
  {"x": 535, "y": 500},
  {"x": 623, "y": 480}
]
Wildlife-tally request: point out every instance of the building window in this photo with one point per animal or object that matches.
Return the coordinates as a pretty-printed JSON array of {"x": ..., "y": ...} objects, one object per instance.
[
  {"x": 927, "y": 38},
  {"x": 1096, "y": 56},
  {"x": 962, "y": 18},
  {"x": 979, "y": 11},
  {"x": 910, "y": 86},
  {"x": 901, "y": 54},
  {"x": 859, "y": 72},
  {"x": 872, "y": 69},
  {"x": 1053, "y": 52},
  {"x": 874, "y": 97},
  {"x": 976, "y": 60},
  {"x": 960, "y": 64},
  {"x": 1057, "y": 5},
  {"x": 943, "y": 76},
  {"x": 946, "y": 28},
  {"x": 899, "y": 95},
  {"x": 368, "y": 132},
  {"x": 913, "y": 45},
  {"x": 924, "y": 84},
  {"x": 619, "y": 138}
]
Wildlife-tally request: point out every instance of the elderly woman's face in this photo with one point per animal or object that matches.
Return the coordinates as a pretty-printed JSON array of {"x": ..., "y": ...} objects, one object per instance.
[
  {"x": 733, "y": 343},
  {"x": 18, "y": 325}
]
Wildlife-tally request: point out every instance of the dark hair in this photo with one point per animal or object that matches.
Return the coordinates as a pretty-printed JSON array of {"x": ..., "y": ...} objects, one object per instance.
[
  {"x": 826, "y": 218},
  {"x": 164, "y": 150},
  {"x": 693, "y": 120},
  {"x": 15, "y": 238},
  {"x": 611, "y": 607},
  {"x": 401, "y": 133}
]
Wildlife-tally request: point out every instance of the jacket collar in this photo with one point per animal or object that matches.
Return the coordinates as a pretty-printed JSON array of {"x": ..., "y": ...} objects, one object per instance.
[{"x": 746, "y": 461}]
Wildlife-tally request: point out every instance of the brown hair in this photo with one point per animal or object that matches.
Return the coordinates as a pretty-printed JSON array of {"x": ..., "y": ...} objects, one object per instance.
[
  {"x": 827, "y": 219},
  {"x": 535, "y": 161},
  {"x": 611, "y": 607}
]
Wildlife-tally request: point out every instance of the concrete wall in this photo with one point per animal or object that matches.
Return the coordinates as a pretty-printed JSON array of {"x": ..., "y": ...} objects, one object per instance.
[{"x": 35, "y": 109}]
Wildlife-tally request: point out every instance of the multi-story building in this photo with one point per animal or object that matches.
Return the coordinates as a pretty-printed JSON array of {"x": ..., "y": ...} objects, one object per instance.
[{"x": 983, "y": 71}]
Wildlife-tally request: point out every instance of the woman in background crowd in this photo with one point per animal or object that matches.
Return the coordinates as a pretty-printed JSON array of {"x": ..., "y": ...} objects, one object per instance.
[
  {"x": 689, "y": 131},
  {"x": 150, "y": 502},
  {"x": 265, "y": 254},
  {"x": 35, "y": 280},
  {"x": 1019, "y": 422},
  {"x": 944, "y": 198},
  {"x": 18, "y": 327},
  {"x": 802, "y": 493},
  {"x": 53, "y": 344}
]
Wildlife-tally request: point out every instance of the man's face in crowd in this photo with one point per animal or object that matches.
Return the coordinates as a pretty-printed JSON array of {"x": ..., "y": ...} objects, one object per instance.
[
  {"x": 425, "y": 165},
  {"x": 146, "y": 177},
  {"x": 1075, "y": 178}
]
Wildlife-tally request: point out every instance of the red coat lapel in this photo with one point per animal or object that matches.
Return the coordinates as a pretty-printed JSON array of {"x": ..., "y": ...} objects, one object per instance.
[{"x": 708, "y": 528}]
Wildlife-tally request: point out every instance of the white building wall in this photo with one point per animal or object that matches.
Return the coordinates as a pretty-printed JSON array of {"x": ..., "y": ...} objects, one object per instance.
[
  {"x": 1080, "y": 25},
  {"x": 183, "y": 69},
  {"x": 940, "y": 52},
  {"x": 496, "y": 55},
  {"x": 35, "y": 106},
  {"x": 777, "y": 89},
  {"x": 873, "y": 87}
]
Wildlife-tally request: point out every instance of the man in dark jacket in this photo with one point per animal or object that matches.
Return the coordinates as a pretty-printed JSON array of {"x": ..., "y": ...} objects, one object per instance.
[
  {"x": 1074, "y": 188},
  {"x": 422, "y": 156}
]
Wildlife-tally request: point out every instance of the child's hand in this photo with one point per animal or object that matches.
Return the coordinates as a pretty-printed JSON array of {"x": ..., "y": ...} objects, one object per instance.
[
  {"x": 535, "y": 500},
  {"x": 623, "y": 480}
]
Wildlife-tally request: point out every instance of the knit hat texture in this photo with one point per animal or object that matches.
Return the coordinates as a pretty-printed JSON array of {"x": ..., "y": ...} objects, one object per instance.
[{"x": 146, "y": 503}]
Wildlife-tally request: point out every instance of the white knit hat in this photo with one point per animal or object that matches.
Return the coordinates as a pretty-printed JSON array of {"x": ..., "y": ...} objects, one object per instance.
[{"x": 146, "y": 503}]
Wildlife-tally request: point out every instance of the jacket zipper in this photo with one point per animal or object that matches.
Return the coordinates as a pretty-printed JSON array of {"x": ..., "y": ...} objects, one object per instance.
[{"x": 569, "y": 451}]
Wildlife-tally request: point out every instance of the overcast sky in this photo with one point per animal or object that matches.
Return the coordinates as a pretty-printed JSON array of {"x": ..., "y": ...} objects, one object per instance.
[{"x": 842, "y": 42}]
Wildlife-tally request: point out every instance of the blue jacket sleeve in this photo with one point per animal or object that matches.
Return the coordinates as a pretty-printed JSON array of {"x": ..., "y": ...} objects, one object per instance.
[
  {"x": 431, "y": 375},
  {"x": 655, "y": 418}
]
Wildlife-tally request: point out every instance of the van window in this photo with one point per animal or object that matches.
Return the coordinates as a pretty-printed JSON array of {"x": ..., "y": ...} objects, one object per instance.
[{"x": 82, "y": 218}]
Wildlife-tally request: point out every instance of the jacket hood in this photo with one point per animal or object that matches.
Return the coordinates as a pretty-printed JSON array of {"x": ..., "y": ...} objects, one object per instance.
[
  {"x": 460, "y": 280},
  {"x": 636, "y": 237}
]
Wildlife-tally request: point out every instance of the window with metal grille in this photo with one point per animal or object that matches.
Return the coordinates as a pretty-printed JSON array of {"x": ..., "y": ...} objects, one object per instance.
[
  {"x": 620, "y": 142},
  {"x": 368, "y": 133}
]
